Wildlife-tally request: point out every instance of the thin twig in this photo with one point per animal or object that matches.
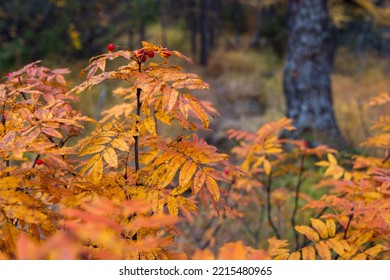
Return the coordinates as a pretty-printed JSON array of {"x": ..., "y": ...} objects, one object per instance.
[
  {"x": 136, "y": 138},
  {"x": 297, "y": 190},
  {"x": 348, "y": 224},
  {"x": 269, "y": 208}
]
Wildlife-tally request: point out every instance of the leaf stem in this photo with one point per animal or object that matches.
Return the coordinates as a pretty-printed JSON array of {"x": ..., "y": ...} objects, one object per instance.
[
  {"x": 297, "y": 190},
  {"x": 136, "y": 138},
  {"x": 269, "y": 207}
]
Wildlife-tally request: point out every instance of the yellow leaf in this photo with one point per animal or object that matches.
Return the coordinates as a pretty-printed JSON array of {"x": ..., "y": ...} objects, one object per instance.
[
  {"x": 334, "y": 244},
  {"x": 10, "y": 235},
  {"x": 323, "y": 250},
  {"x": 97, "y": 171},
  {"x": 181, "y": 189},
  {"x": 172, "y": 168},
  {"x": 186, "y": 203},
  {"x": 267, "y": 167},
  {"x": 161, "y": 113},
  {"x": 213, "y": 188},
  {"x": 258, "y": 162},
  {"x": 277, "y": 246},
  {"x": 186, "y": 172},
  {"x": 150, "y": 125},
  {"x": 90, "y": 163},
  {"x": 331, "y": 226},
  {"x": 199, "y": 179},
  {"x": 173, "y": 208},
  {"x": 308, "y": 232},
  {"x": 92, "y": 150},
  {"x": 308, "y": 253},
  {"x": 165, "y": 157},
  {"x": 145, "y": 109},
  {"x": 320, "y": 227},
  {"x": 295, "y": 256},
  {"x": 374, "y": 251},
  {"x": 322, "y": 163},
  {"x": 101, "y": 141},
  {"x": 282, "y": 256},
  {"x": 9, "y": 182},
  {"x": 332, "y": 160},
  {"x": 170, "y": 97},
  {"x": 184, "y": 106},
  {"x": 110, "y": 157},
  {"x": 360, "y": 256},
  {"x": 198, "y": 110},
  {"x": 120, "y": 144}
]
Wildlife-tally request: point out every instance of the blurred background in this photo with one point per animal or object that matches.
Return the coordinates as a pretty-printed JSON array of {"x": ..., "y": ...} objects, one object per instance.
[{"x": 240, "y": 47}]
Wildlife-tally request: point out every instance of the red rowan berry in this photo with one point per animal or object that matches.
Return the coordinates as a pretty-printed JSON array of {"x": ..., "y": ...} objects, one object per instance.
[
  {"x": 111, "y": 47},
  {"x": 150, "y": 54}
]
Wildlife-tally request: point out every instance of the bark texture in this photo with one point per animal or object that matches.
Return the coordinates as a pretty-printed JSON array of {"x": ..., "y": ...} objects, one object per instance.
[{"x": 307, "y": 73}]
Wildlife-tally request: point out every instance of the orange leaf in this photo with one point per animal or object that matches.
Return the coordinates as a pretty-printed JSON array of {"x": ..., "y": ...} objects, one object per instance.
[
  {"x": 336, "y": 246},
  {"x": 331, "y": 226},
  {"x": 323, "y": 250},
  {"x": 213, "y": 188},
  {"x": 97, "y": 171},
  {"x": 173, "y": 208},
  {"x": 110, "y": 157},
  {"x": 375, "y": 251},
  {"x": 172, "y": 168},
  {"x": 199, "y": 179},
  {"x": 267, "y": 167},
  {"x": 360, "y": 256},
  {"x": 51, "y": 132},
  {"x": 150, "y": 125},
  {"x": 308, "y": 253},
  {"x": 308, "y": 232},
  {"x": 155, "y": 221},
  {"x": 120, "y": 144},
  {"x": 203, "y": 255},
  {"x": 320, "y": 227},
  {"x": 92, "y": 150},
  {"x": 277, "y": 247},
  {"x": 9, "y": 182},
  {"x": 232, "y": 251},
  {"x": 186, "y": 172},
  {"x": 295, "y": 256}
]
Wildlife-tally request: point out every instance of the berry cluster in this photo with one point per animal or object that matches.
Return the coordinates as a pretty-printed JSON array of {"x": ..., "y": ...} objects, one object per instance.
[{"x": 141, "y": 54}]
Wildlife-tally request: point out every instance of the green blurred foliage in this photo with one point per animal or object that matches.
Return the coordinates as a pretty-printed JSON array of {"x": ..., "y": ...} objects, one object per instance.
[{"x": 32, "y": 29}]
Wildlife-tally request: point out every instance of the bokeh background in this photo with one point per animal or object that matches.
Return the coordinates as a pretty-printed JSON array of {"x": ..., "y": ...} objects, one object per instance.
[{"x": 238, "y": 46}]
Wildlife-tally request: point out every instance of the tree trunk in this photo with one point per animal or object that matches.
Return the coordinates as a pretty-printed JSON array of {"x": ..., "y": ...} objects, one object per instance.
[
  {"x": 163, "y": 21},
  {"x": 203, "y": 32},
  {"x": 307, "y": 73},
  {"x": 192, "y": 24}
]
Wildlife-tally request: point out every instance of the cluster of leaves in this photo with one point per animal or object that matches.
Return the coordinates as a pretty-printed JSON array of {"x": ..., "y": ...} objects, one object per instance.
[
  {"x": 350, "y": 221},
  {"x": 117, "y": 192},
  {"x": 120, "y": 191}
]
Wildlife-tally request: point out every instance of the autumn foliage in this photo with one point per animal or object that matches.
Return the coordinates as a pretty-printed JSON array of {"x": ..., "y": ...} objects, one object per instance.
[{"x": 123, "y": 190}]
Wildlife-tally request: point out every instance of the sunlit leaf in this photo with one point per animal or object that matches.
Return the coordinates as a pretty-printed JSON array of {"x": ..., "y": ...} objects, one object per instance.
[
  {"x": 213, "y": 188},
  {"x": 323, "y": 250},
  {"x": 320, "y": 227},
  {"x": 110, "y": 157},
  {"x": 308, "y": 232},
  {"x": 308, "y": 253}
]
